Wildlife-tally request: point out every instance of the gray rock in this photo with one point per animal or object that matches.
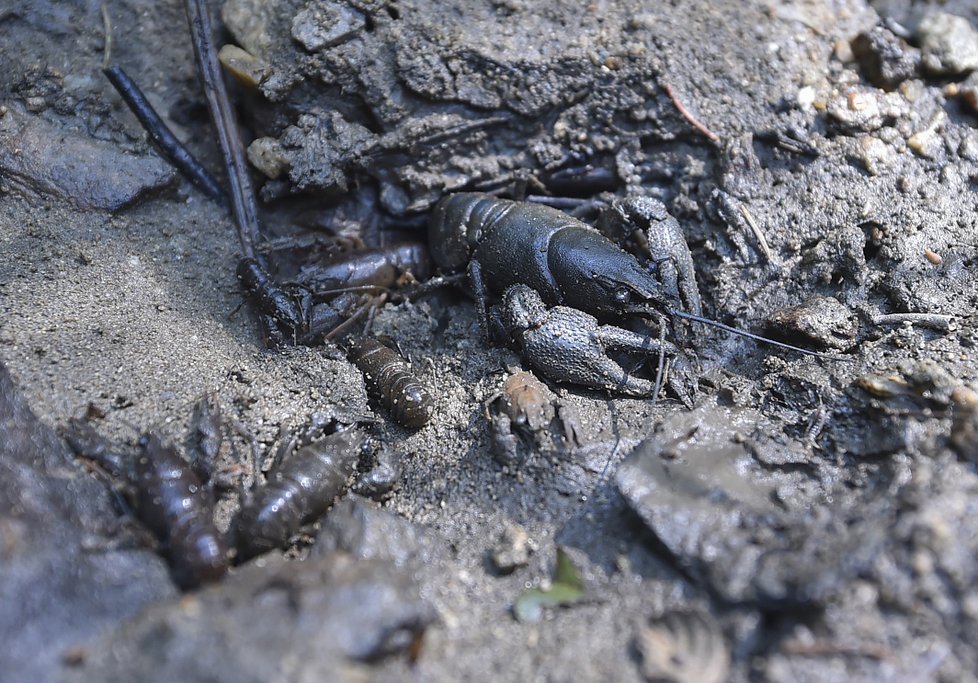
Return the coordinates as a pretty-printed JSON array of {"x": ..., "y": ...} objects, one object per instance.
[
  {"x": 717, "y": 513},
  {"x": 86, "y": 173},
  {"x": 318, "y": 146},
  {"x": 367, "y": 532},
  {"x": 884, "y": 58},
  {"x": 325, "y": 24},
  {"x": 271, "y": 620},
  {"x": 863, "y": 110},
  {"x": 949, "y": 44},
  {"x": 821, "y": 320},
  {"x": 61, "y": 580}
]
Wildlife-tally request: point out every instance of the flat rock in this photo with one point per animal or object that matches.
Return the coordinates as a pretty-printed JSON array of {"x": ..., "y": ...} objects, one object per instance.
[
  {"x": 61, "y": 580},
  {"x": 368, "y": 532},
  {"x": 40, "y": 158},
  {"x": 718, "y": 512},
  {"x": 271, "y": 620}
]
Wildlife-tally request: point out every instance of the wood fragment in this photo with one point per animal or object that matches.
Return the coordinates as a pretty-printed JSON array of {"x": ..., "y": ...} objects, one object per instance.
[
  {"x": 107, "y": 36},
  {"x": 934, "y": 321},
  {"x": 219, "y": 105},
  {"x": 758, "y": 234}
]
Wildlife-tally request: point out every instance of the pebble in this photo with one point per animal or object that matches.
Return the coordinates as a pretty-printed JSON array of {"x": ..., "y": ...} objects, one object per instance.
[{"x": 949, "y": 44}]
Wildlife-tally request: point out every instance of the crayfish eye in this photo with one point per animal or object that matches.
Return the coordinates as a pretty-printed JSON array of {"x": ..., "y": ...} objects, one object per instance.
[{"x": 621, "y": 295}]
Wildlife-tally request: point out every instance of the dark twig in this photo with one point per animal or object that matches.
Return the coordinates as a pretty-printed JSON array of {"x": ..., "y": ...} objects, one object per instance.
[
  {"x": 242, "y": 193},
  {"x": 161, "y": 135},
  {"x": 688, "y": 116}
]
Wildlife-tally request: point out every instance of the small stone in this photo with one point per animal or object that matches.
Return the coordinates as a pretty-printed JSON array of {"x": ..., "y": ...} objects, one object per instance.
[
  {"x": 513, "y": 549},
  {"x": 949, "y": 44},
  {"x": 927, "y": 142},
  {"x": 866, "y": 109},
  {"x": 875, "y": 154},
  {"x": 821, "y": 320},
  {"x": 968, "y": 147},
  {"x": 968, "y": 92},
  {"x": 806, "y": 96},
  {"x": 268, "y": 156},
  {"x": 884, "y": 59},
  {"x": 324, "y": 24},
  {"x": 247, "y": 68}
]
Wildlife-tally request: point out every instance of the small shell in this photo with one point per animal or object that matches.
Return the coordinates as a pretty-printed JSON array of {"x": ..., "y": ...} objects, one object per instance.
[{"x": 684, "y": 647}]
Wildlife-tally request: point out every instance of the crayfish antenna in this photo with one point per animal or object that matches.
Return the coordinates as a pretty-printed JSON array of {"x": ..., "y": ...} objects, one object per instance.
[{"x": 751, "y": 335}]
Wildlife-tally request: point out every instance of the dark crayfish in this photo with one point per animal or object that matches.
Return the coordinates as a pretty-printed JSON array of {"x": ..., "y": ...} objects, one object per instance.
[
  {"x": 329, "y": 292},
  {"x": 168, "y": 498},
  {"x": 290, "y": 314},
  {"x": 297, "y": 492},
  {"x": 536, "y": 257}
]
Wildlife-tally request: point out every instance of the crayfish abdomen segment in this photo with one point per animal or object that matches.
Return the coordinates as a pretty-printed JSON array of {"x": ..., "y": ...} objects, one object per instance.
[{"x": 457, "y": 224}]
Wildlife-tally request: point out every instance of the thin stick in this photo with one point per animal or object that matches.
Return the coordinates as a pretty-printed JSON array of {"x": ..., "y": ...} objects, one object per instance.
[
  {"x": 162, "y": 136},
  {"x": 107, "y": 33},
  {"x": 242, "y": 194},
  {"x": 934, "y": 321},
  {"x": 557, "y": 202},
  {"x": 822, "y": 648},
  {"x": 756, "y": 229},
  {"x": 695, "y": 122},
  {"x": 346, "y": 324}
]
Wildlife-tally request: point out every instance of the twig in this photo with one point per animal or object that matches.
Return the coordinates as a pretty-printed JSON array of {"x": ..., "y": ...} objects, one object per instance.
[
  {"x": 820, "y": 648},
  {"x": 756, "y": 229},
  {"x": 713, "y": 137},
  {"x": 161, "y": 135},
  {"x": 565, "y": 203},
  {"x": 242, "y": 193},
  {"x": 935, "y": 321},
  {"x": 107, "y": 36},
  {"x": 357, "y": 314}
]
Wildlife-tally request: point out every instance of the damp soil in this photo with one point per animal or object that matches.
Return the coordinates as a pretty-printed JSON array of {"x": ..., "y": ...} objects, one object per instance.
[{"x": 816, "y": 516}]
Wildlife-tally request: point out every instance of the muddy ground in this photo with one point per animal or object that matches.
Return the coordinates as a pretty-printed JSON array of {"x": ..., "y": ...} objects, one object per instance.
[{"x": 807, "y": 519}]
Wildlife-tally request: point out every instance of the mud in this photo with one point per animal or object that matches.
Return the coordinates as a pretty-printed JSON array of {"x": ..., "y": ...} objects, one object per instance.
[{"x": 818, "y": 516}]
